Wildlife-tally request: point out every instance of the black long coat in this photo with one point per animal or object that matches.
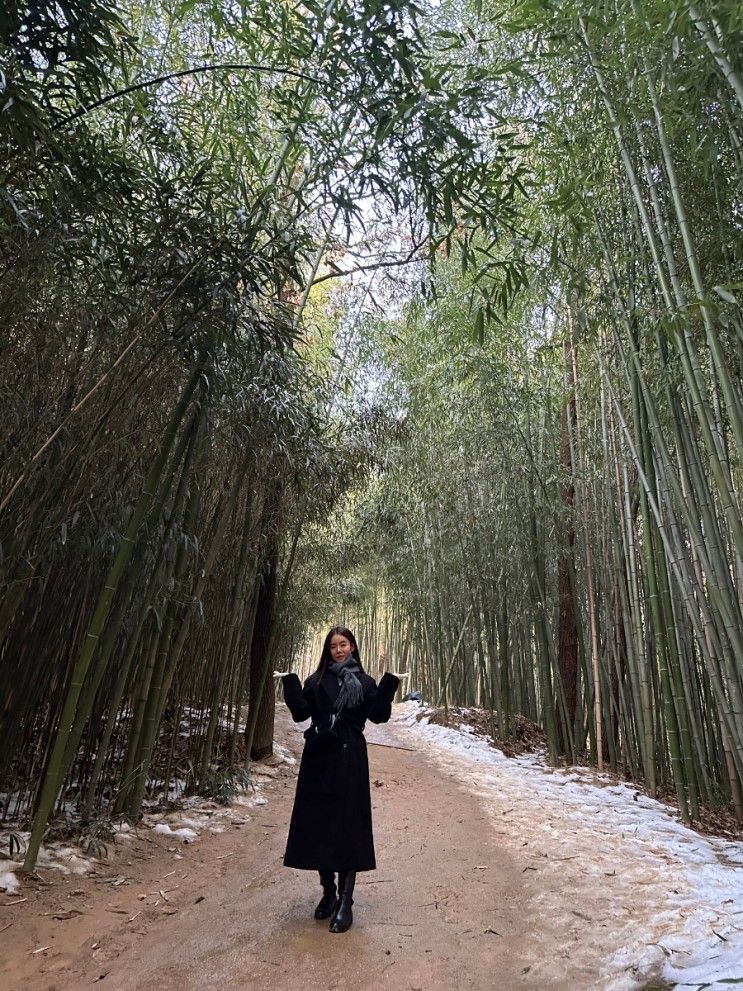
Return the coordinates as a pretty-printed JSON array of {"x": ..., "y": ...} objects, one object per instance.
[{"x": 331, "y": 824}]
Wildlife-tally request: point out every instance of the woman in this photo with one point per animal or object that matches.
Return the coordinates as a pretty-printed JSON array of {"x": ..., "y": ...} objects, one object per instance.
[{"x": 331, "y": 824}]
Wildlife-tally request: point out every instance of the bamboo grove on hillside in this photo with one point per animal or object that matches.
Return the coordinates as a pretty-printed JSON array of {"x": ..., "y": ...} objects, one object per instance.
[
  {"x": 172, "y": 182},
  {"x": 560, "y": 535}
]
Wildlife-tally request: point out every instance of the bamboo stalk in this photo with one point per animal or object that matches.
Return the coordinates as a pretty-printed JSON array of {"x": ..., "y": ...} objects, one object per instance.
[{"x": 56, "y": 770}]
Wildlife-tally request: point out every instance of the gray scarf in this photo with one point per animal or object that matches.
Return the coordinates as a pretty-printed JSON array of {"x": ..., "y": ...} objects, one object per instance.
[{"x": 351, "y": 692}]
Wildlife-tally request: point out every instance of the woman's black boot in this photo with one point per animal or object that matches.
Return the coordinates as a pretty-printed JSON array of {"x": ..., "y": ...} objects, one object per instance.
[
  {"x": 341, "y": 921},
  {"x": 329, "y": 901}
]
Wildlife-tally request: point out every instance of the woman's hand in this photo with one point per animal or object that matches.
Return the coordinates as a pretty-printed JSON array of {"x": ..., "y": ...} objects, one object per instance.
[{"x": 281, "y": 674}]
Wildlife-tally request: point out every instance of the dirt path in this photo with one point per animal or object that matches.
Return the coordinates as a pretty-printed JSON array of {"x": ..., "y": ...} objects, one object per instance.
[{"x": 445, "y": 908}]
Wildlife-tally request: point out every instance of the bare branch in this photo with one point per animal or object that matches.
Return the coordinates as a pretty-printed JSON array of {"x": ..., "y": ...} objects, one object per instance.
[{"x": 338, "y": 273}]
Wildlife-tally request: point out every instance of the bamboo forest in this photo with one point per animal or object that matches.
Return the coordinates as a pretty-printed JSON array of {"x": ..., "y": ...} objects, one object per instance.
[{"x": 425, "y": 318}]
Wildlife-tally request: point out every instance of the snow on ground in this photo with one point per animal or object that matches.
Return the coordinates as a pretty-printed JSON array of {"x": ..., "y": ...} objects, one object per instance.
[
  {"x": 8, "y": 881},
  {"x": 58, "y": 856},
  {"x": 196, "y": 815},
  {"x": 183, "y": 833},
  {"x": 616, "y": 875}
]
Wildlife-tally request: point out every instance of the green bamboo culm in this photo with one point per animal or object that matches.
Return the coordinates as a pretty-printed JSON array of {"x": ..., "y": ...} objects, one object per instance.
[
  {"x": 136, "y": 569},
  {"x": 152, "y": 700},
  {"x": 56, "y": 769}
]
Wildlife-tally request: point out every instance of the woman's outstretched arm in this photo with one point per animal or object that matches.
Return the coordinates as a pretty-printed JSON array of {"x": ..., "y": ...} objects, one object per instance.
[
  {"x": 294, "y": 696},
  {"x": 378, "y": 700}
]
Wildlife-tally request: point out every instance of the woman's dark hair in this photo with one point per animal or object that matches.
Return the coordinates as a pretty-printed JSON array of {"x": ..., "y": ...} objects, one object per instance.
[{"x": 326, "y": 657}]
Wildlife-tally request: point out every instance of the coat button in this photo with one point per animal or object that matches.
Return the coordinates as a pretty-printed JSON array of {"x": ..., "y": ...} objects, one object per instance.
[{"x": 345, "y": 746}]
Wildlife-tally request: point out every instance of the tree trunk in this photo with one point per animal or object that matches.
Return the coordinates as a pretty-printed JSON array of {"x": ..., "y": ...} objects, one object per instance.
[
  {"x": 567, "y": 630},
  {"x": 264, "y": 617}
]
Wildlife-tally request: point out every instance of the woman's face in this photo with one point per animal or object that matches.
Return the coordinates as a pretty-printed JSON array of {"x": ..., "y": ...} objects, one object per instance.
[{"x": 340, "y": 648}]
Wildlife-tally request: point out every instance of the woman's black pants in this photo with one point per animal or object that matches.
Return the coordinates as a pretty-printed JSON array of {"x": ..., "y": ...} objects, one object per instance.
[{"x": 327, "y": 880}]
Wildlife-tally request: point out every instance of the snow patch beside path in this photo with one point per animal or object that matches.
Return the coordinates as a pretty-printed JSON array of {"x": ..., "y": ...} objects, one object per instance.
[
  {"x": 184, "y": 833},
  {"x": 8, "y": 881},
  {"x": 615, "y": 876},
  {"x": 195, "y": 816}
]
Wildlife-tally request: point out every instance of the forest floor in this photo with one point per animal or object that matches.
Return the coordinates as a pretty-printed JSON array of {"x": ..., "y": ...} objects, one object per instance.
[{"x": 493, "y": 872}]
